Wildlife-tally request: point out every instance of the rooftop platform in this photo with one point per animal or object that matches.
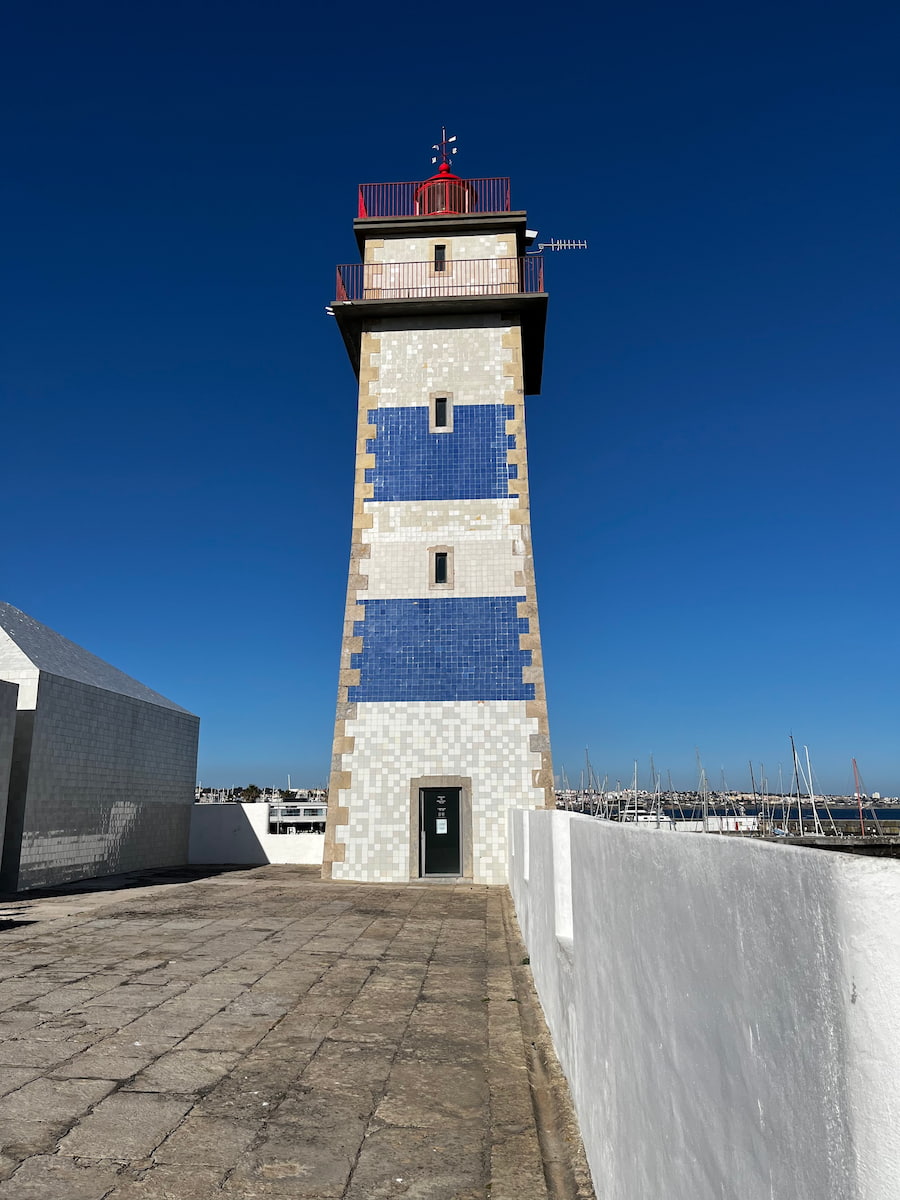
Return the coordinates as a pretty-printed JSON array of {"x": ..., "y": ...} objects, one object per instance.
[{"x": 260, "y": 1033}]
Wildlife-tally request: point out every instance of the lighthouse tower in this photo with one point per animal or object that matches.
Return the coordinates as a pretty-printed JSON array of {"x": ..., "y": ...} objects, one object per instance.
[{"x": 442, "y": 716}]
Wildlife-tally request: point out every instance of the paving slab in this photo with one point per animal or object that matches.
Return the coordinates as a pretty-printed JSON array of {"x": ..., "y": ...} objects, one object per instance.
[
  {"x": 207, "y": 1141},
  {"x": 161, "y": 1181},
  {"x": 54, "y": 1099},
  {"x": 53, "y": 1175},
  {"x": 261, "y": 1034},
  {"x": 125, "y": 1126},
  {"x": 20, "y": 1138},
  {"x": 185, "y": 1071},
  {"x": 12, "y": 1078},
  {"x": 449, "y": 1164}
]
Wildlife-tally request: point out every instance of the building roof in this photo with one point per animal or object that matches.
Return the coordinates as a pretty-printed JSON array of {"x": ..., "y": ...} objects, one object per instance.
[{"x": 50, "y": 652}]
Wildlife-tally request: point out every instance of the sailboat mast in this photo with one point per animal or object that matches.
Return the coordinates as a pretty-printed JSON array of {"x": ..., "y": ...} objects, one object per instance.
[
  {"x": 817, "y": 824},
  {"x": 753, "y": 788},
  {"x": 704, "y": 793},
  {"x": 781, "y": 795},
  {"x": 634, "y": 788},
  {"x": 862, "y": 820},
  {"x": 797, "y": 778},
  {"x": 768, "y": 809}
]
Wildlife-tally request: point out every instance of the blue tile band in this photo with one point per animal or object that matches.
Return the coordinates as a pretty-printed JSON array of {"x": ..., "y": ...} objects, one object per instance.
[
  {"x": 468, "y": 463},
  {"x": 444, "y": 648}
]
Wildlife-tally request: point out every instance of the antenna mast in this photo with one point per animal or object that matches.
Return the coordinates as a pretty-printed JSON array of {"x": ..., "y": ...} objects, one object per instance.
[{"x": 562, "y": 243}]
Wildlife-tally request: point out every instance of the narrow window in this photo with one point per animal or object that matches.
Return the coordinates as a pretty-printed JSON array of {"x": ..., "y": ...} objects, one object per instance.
[
  {"x": 440, "y": 567},
  {"x": 440, "y": 412},
  {"x": 440, "y": 258}
]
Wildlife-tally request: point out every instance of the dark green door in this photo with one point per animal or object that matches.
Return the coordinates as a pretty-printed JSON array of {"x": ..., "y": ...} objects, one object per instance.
[{"x": 440, "y": 831}]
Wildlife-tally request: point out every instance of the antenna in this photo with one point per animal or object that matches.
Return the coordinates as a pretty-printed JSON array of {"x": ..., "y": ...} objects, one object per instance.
[
  {"x": 563, "y": 244},
  {"x": 445, "y": 148}
]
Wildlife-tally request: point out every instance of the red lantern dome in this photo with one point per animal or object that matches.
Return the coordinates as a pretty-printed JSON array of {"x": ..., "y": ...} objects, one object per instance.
[{"x": 444, "y": 194}]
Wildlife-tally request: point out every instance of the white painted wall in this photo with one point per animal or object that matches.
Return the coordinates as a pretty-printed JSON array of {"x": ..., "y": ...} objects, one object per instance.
[
  {"x": 725, "y": 1011},
  {"x": 239, "y": 833}
]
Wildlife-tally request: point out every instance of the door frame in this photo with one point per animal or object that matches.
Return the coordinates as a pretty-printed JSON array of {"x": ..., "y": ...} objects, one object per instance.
[{"x": 464, "y": 783}]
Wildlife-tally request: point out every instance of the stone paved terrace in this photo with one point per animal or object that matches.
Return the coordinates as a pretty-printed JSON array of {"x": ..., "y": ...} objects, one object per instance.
[{"x": 260, "y": 1033}]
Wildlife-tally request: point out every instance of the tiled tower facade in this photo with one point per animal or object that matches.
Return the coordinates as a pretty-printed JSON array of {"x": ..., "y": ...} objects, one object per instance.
[{"x": 442, "y": 718}]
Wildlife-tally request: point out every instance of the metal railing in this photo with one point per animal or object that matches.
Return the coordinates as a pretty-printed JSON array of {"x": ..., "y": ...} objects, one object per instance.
[
  {"x": 423, "y": 280},
  {"x": 434, "y": 197}
]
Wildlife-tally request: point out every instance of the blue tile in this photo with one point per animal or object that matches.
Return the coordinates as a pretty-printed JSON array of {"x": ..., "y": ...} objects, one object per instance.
[
  {"x": 468, "y": 463},
  {"x": 442, "y": 648}
]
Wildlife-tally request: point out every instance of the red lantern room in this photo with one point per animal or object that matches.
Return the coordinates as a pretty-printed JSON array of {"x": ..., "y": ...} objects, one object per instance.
[{"x": 445, "y": 194}]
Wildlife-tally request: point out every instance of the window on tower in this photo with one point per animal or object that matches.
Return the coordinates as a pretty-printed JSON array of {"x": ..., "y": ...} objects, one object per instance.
[
  {"x": 440, "y": 258},
  {"x": 440, "y": 414},
  {"x": 440, "y": 567}
]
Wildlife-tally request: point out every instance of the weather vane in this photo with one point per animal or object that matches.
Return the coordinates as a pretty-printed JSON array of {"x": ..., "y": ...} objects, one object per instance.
[{"x": 443, "y": 148}]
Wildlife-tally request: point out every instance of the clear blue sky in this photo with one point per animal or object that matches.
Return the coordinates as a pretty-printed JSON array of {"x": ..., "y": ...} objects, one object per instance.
[{"x": 714, "y": 456}]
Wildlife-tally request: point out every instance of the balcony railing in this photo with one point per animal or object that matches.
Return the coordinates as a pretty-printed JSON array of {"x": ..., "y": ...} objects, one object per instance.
[
  {"x": 434, "y": 197},
  {"x": 458, "y": 277}
]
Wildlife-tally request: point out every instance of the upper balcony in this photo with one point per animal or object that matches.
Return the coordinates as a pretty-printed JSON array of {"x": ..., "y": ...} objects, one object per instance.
[{"x": 443, "y": 195}]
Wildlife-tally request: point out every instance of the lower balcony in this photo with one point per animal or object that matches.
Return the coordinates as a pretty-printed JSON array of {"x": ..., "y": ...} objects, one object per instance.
[
  {"x": 451, "y": 278},
  {"x": 378, "y": 295}
]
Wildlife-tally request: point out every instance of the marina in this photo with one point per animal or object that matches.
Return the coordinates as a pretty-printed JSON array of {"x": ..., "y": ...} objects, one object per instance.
[
  {"x": 831, "y": 823},
  {"x": 857, "y": 824}
]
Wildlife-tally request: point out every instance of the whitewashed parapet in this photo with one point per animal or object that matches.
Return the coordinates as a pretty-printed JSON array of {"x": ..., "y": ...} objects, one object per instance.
[
  {"x": 238, "y": 834},
  {"x": 725, "y": 1010}
]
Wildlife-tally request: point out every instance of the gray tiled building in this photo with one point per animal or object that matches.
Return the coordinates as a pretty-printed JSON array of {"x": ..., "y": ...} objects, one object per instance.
[
  {"x": 102, "y": 768},
  {"x": 8, "y": 696}
]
